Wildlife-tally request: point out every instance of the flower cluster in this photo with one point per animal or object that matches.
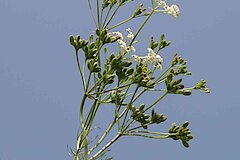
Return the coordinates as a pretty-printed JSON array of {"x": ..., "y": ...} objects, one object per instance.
[
  {"x": 118, "y": 34},
  {"x": 150, "y": 58},
  {"x": 123, "y": 44},
  {"x": 130, "y": 34},
  {"x": 172, "y": 10}
]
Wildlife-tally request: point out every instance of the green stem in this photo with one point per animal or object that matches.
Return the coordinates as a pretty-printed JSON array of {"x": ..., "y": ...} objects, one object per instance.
[
  {"x": 82, "y": 137},
  {"x": 90, "y": 7},
  {"x": 158, "y": 100},
  {"x": 150, "y": 132},
  {"x": 139, "y": 94},
  {"x": 103, "y": 136},
  {"x": 146, "y": 136},
  {"x": 130, "y": 103},
  {"x": 109, "y": 10},
  {"x": 141, "y": 27},
  {"x": 105, "y": 26},
  {"x": 125, "y": 21},
  {"x": 158, "y": 80},
  {"x": 98, "y": 14},
  {"x": 80, "y": 70},
  {"x": 167, "y": 70},
  {"x": 113, "y": 89},
  {"x": 106, "y": 146}
]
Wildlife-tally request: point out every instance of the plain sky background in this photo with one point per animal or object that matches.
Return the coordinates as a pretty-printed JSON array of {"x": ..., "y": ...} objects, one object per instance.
[{"x": 40, "y": 89}]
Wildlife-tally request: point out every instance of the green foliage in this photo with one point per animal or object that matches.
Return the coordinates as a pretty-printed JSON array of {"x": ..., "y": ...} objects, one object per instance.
[{"x": 110, "y": 80}]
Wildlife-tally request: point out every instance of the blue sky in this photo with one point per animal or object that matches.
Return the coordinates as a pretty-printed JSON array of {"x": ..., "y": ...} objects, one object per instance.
[{"x": 40, "y": 89}]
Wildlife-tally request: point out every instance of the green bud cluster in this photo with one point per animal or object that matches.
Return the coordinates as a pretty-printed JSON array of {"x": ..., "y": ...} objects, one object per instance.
[
  {"x": 141, "y": 77},
  {"x": 116, "y": 66},
  {"x": 108, "y": 78},
  {"x": 77, "y": 42},
  {"x": 107, "y": 3},
  {"x": 181, "y": 133},
  {"x": 106, "y": 37},
  {"x": 121, "y": 67},
  {"x": 175, "y": 86},
  {"x": 139, "y": 115},
  {"x": 116, "y": 97},
  {"x": 159, "y": 45},
  {"x": 93, "y": 66},
  {"x": 144, "y": 119},
  {"x": 124, "y": 1},
  {"x": 139, "y": 11},
  {"x": 157, "y": 118},
  {"x": 202, "y": 86},
  {"x": 180, "y": 63}
]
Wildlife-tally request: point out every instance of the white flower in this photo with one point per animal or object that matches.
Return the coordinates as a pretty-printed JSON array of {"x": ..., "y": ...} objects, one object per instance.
[
  {"x": 130, "y": 34},
  {"x": 131, "y": 48},
  {"x": 123, "y": 45},
  {"x": 136, "y": 58},
  {"x": 158, "y": 66},
  {"x": 153, "y": 57},
  {"x": 161, "y": 3},
  {"x": 118, "y": 34},
  {"x": 172, "y": 10}
]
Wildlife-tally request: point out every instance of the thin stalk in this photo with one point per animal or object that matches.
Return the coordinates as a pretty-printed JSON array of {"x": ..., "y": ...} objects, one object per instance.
[
  {"x": 105, "y": 26},
  {"x": 80, "y": 70},
  {"x": 150, "y": 132},
  {"x": 139, "y": 94},
  {"x": 90, "y": 7},
  {"x": 92, "y": 113},
  {"x": 106, "y": 146},
  {"x": 103, "y": 136},
  {"x": 125, "y": 21},
  {"x": 146, "y": 136},
  {"x": 101, "y": 18},
  {"x": 113, "y": 89},
  {"x": 98, "y": 14},
  {"x": 81, "y": 138},
  {"x": 130, "y": 103},
  {"x": 145, "y": 89},
  {"x": 167, "y": 70},
  {"x": 141, "y": 27},
  {"x": 98, "y": 82},
  {"x": 109, "y": 10},
  {"x": 158, "y": 100}
]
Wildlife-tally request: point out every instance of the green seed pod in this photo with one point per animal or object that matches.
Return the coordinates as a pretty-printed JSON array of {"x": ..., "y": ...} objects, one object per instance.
[
  {"x": 92, "y": 45},
  {"x": 185, "y": 144},
  {"x": 177, "y": 82},
  {"x": 141, "y": 107},
  {"x": 172, "y": 128},
  {"x": 78, "y": 38},
  {"x": 98, "y": 32},
  {"x": 185, "y": 124},
  {"x": 97, "y": 69},
  {"x": 90, "y": 66},
  {"x": 190, "y": 137},
  {"x": 71, "y": 39},
  {"x": 126, "y": 63},
  {"x": 186, "y": 92},
  {"x": 130, "y": 71}
]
